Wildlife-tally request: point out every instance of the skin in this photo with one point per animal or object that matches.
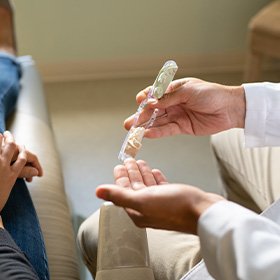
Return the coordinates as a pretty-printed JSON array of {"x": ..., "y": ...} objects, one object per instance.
[
  {"x": 193, "y": 106},
  {"x": 32, "y": 167},
  {"x": 15, "y": 162},
  {"x": 190, "y": 106},
  {"x": 7, "y": 34},
  {"x": 9, "y": 169},
  {"x": 151, "y": 202}
]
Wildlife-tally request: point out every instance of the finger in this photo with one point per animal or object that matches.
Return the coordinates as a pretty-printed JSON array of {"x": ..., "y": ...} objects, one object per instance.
[
  {"x": 8, "y": 136},
  {"x": 29, "y": 180},
  {"x": 146, "y": 173},
  {"x": 20, "y": 162},
  {"x": 172, "y": 98},
  {"x": 9, "y": 147},
  {"x": 168, "y": 129},
  {"x": 143, "y": 118},
  {"x": 142, "y": 94},
  {"x": 175, "y": 94},
  {"x": 122, "y": 197},
  {"x": 28, "y": 172},
  {"x": 159, "y": 177},
  {"x": 33, "y": 161},
  {"x": 134, "y": 174},
  {"x": 121, "y": 176},
  {"x": 174, "y": 85}
]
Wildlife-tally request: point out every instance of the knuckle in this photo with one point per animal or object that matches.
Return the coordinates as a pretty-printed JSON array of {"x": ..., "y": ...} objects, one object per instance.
[
  {"x": 22, "y": 158},
  {"x": 11, "y": 145},
  {"x": 141, "y": 162},
  {"x": 118, "y": 168}
]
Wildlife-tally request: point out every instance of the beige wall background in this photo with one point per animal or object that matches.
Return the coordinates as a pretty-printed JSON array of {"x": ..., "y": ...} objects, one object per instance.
[{"x": 82, "y": 39}]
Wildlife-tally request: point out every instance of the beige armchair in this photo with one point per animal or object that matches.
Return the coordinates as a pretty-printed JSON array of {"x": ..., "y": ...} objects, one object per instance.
[
  {"x": 31, "y": 127},
  {"x": 263, "y": 40},
  {"x": 122, "y": 247}
]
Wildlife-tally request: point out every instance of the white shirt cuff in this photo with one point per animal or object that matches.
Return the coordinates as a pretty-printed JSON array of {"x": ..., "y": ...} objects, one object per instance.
[{"x": 262, "y": 122}]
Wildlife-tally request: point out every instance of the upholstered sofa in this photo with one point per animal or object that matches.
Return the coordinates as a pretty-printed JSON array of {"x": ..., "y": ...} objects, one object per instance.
[{"x": 31, "y": 126}]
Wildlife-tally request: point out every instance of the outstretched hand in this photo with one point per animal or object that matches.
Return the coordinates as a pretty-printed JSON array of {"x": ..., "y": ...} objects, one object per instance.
[
  {"x": 193, "y": 106},
  {"x": 137, "y": 175},
  {"x": 159, "y": 205}
]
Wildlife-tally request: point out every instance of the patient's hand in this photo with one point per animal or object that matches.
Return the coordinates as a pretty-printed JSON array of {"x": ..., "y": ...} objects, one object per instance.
[
  {"x": 10, "y": 169},
  {"x": 137, "y": 175},
  {"x": 32, "y": 167},
  {"x": 171, "y": 207}
]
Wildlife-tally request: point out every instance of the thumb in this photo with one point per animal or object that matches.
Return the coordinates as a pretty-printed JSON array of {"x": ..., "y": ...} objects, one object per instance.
[
  {"x": 171, "y": 98},
  {"x": 28, "y": 172},
  {"x": 20, "y": 161},
  {"x": 120, "y": 196}
]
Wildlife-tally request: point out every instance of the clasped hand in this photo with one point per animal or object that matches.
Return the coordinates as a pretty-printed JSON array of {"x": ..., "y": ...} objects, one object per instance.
[{"x": 15, "y": 162}]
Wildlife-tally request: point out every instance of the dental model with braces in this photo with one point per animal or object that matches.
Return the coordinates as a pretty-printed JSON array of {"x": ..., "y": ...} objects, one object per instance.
[{"x": 132, "y": 143}]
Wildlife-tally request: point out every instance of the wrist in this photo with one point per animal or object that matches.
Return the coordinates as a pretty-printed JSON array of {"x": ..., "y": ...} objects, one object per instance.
[
  {"x": 200, "y": 205},
  {"x": 237, "y": 106}
]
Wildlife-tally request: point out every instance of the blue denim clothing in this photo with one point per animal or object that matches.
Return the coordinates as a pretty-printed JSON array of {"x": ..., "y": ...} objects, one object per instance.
[
  {"x": 10, "y": 73},
  {"x": 19, "y": 215}
]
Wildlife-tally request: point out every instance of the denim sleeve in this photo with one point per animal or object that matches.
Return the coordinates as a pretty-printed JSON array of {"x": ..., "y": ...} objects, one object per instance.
[{"x": 13, "y": 263}]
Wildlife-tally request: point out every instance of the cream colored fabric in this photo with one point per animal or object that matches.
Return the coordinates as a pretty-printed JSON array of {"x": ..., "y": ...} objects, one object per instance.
[
  {"x": 31, "y": 127},
  {"x": 172, "y": 254},
  {"x": 122, "y": 247},
  {"x": 250, "y": 175}
]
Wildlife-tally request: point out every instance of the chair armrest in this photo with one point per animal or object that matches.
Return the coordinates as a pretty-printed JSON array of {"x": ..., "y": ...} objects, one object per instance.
[{"x": 122, "y": 247}]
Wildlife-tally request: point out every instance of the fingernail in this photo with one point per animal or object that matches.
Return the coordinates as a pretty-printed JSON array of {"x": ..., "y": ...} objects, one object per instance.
[{"x": 152, "y": 101}]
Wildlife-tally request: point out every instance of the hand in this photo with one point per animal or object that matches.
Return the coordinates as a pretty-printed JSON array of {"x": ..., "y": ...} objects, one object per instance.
[
  {"x": 32, "y": 167},
  {"x": 9, "y": 168},
  {"x": 193, "y": 106},
  {"x": 137, "y": 175},
  {"x": 172, "y": 207},
  {"x": 1, "y": 223}
]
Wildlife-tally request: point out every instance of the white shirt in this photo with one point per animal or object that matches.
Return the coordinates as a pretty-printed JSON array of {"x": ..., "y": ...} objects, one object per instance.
[{"x": 236, "y": 243}]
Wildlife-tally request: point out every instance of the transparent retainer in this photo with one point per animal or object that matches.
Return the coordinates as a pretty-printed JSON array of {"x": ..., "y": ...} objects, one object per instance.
[{"x": 133, "y": 141}]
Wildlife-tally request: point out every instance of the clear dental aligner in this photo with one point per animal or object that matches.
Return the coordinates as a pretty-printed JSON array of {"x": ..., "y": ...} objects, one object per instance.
[{"x": 132, "y": 143}]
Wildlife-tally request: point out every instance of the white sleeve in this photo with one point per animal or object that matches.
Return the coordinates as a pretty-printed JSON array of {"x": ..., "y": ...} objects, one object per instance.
[
  {"x": 236, "y": 243},
  {"x": 262, "y": 121}
]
